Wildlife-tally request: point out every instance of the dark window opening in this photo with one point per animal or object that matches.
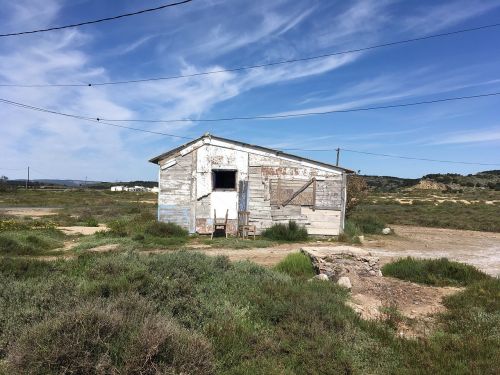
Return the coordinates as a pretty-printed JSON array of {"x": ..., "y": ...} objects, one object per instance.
[{"x": 224, "y": 180}]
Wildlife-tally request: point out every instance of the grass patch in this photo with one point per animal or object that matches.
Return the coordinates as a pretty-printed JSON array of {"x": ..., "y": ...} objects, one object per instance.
[
  {"x": 438, "y": 272},
  {"x": 368, "y": 224},
  {"x": 351, "y": 232},
  {"x": 28, "y": 242},
  {"x": 476, "y": 215},
  {"x": 290, "y": 232},
  {"x": 238, "y": 243},
  {"x": 160, "y": 229},
  {"x": 296, "y": 265}
]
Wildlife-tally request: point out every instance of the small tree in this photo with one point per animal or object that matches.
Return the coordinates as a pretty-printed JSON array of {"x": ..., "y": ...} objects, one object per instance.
[{"x": 357, "y": 191}]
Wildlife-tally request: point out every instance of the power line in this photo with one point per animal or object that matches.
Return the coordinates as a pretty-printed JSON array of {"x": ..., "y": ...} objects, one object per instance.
[
  {"x": 98, "y": 20},
  {"x": 285, "y": 149},
  {"x": 248, "y": 67},
  {"x": 89, "y": 119},
  {"x": 304, "y": 114},
  {"x": 422, "y": 159},
  {"x": 390, "y": 156},
  {"x": 105, "y": 121}
]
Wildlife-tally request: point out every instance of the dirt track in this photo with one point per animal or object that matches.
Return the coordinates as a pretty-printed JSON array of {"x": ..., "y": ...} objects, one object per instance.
[{"x": 481, "y": 249}]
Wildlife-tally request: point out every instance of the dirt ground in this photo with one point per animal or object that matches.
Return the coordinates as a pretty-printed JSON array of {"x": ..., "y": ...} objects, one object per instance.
[
  {"x": 86, "y": 231},
  {"x": 481, "y": 249},
  {"x": 33, "y": 212}
]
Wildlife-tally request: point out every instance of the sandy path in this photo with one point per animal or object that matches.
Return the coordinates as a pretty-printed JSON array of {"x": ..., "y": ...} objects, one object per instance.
[{"x": 32, "y": 212}]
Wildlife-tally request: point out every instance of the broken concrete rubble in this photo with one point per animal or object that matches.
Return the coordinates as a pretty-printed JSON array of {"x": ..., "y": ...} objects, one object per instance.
[{"x": 340, "y": 264}]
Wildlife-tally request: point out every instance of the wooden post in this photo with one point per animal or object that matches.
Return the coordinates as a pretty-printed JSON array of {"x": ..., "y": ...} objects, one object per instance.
[
  {"x": 338, "y": 156},
  {"x": 314, "y": 196}
]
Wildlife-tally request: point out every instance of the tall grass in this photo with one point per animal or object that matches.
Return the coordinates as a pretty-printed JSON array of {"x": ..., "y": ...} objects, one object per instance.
[
  {"x": 290, "y": 232},
  {"x": 28, "y": 242},
  {"x": 437, "y": 272},
  {"x": 296, "y": 265}
]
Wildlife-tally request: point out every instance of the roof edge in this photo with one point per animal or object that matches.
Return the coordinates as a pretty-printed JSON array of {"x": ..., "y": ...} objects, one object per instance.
[{"x": 156, "y": 159}]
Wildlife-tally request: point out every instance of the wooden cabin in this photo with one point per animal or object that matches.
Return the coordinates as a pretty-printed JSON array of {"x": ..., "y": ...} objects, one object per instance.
[{"x": 213, "y": 174}]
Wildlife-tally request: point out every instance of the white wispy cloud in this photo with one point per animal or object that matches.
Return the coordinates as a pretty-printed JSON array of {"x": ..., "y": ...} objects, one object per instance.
[
  {"x": 442, "y": 15},
  {"x": 474, "y": 136}
]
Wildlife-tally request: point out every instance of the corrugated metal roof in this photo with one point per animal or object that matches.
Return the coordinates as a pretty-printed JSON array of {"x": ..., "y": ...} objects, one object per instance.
[{"x": 156, "y": 159}]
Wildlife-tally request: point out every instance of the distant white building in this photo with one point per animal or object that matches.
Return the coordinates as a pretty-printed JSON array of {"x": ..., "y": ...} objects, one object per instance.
[{"x": 135, "y": 189}]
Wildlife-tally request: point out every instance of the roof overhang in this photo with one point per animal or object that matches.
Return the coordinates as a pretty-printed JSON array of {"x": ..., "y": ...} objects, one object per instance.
[{"x": 207, "y": 139}]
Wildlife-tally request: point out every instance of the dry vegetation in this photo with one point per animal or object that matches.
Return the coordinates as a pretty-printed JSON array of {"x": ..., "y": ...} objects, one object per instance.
[
  {"x": 473, "y": 210},
  {"x": 182, "y": 312}
]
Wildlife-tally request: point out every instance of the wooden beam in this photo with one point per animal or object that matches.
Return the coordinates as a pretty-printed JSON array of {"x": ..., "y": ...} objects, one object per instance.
[{"x": 298, "y": 192}]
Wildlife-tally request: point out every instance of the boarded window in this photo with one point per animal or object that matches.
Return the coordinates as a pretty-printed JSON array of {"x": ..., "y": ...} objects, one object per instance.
[{"x": 223, "y": 180}]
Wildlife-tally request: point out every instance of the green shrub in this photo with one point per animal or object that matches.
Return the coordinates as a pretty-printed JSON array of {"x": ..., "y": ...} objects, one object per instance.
[
  {"x": 20, "y": 244},
  {"x": 438, "y": 272},
  {"x": 296, "y": 265},
  {"x": 91, "y": 222},
  {"x": 351, "y": 232},
  {"x": 368, "y": 224},
  {"x": 286, "y": 232},
  {"x": 124, "y": 337},
  {"x": 160, "y": 229},
  {"x": 118, "y": 228}
]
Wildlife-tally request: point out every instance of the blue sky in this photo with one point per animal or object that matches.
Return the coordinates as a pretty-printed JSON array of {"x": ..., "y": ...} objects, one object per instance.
[{"x": 217, "y": 34}]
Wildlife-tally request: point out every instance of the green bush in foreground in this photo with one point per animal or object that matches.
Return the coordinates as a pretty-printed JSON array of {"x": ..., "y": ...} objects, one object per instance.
[
  {"x": 439, "y": 272},
  {"x": 286, "y": 232},
  {"x": 125, "y": 336},
  {"x": 296, "y": 265}
]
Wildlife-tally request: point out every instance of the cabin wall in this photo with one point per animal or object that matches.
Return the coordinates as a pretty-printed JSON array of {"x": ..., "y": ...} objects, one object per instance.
[
  {"x": 272, "y": 180},
  {"x": 264, "y": 182},
  {"x": 176, "y": 188}
]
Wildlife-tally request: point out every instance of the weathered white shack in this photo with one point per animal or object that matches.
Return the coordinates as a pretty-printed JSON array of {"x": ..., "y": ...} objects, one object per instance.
[{"x": 213, "y": 173}]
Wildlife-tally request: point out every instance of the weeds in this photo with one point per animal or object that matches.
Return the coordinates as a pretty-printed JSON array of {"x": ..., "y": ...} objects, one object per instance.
[
  {"x": 439, "y": 272},
  {"x": 351, "y": 232},
  {"x": 368, "y": 224},
  {"x": 27, "y": 242},
  {"x": 286, "y": 232},
  {"x": 160, "y": 229},
  {"x": 296, "y": 265}
]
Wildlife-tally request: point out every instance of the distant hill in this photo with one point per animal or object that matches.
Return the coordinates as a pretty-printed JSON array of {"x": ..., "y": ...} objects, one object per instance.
[
  {"x": 437, "y": 181},
  {"x": 79, "y": 183}
]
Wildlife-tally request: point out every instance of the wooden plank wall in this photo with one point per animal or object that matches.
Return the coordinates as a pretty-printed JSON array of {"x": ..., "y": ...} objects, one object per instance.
[
  {"x": 264, "y": 199},
  {"x": 174, "y": 202}
]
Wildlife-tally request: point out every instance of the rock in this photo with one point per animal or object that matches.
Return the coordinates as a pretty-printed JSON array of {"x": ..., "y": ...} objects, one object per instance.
[
  {"x": 372, "y": 273},
  {"x": 379, "y": 273},
  {"x": 386, "y": 231},
  {"x": 322, "y": 277},
  {"x": 345, "y": 282},
  {"x": 361, "y": 239}
]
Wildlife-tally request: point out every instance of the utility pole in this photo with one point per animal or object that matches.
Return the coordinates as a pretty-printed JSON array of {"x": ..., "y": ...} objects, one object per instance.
[
  {"x": 338, "y": 156},
  {"x": 28, "y": 179}
]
